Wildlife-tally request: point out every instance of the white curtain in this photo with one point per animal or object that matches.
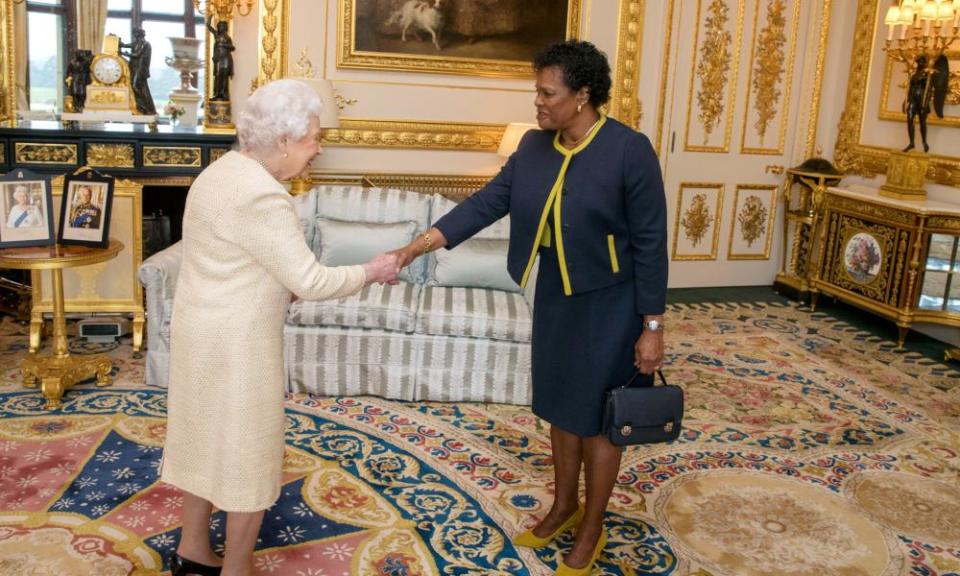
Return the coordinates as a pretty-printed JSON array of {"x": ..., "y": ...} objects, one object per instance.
[
  {"x": 22, "y": 58},
  {"x": 91, "y": 23}
]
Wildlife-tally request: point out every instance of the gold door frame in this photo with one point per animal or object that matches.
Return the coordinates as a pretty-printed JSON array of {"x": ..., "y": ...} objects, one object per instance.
[
  {"x": 850, "y": 154},
  {"x": 274, "y": 51}
]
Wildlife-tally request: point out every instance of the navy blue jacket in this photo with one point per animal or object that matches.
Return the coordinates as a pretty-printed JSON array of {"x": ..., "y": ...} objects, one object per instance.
[{"x": 612, "y": 212}]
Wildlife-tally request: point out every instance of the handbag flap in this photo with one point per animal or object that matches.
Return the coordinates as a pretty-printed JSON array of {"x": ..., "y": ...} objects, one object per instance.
[{"x": 646, "y": 407}]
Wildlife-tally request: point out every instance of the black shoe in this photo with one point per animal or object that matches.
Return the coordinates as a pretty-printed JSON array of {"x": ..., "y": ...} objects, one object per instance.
[{"x": 180, "y": 566}]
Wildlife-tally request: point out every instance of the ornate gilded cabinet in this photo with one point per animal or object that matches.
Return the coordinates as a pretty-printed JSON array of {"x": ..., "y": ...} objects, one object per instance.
[{"x": 896, "y": 258}]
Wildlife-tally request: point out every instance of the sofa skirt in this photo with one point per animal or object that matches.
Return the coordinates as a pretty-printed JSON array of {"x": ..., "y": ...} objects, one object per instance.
[{"x": 335, "y": 361}]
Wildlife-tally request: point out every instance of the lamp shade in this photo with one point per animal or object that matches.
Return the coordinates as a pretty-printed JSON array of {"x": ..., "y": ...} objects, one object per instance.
[
  {"x": 511, "y": 137},
  {"x": 330, "y": 118}
]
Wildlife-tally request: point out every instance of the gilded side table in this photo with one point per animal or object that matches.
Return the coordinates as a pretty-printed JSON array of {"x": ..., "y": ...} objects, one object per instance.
[{"x": 60, "y": 371}]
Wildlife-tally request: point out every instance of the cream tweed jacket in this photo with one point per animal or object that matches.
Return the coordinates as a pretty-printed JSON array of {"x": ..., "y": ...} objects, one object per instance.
[{"x": 243, "y": 255}]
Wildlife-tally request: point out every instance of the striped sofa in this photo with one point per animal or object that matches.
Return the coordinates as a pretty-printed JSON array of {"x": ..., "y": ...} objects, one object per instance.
[{"x": 412, "y": 341}]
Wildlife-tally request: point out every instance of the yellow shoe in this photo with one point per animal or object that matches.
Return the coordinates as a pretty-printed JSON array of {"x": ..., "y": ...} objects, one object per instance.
[
  {"x": 528, "y": 539},
  {"x": 564, "y": 570}
]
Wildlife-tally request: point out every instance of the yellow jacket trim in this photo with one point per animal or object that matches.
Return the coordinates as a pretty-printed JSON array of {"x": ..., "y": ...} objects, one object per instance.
[
  {"x": 614, "y": 263},
  {"x": 553, "y": 200}
]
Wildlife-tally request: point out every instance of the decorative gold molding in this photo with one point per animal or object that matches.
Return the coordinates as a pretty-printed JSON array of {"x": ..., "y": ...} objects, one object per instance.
[
  {"x": 216, "y": 153},
  {"x": 624, "y": 103},
  {"x": 171, "y": 156},
  {"x": 712, "y": 67},
  {"x": 8, "y": 59},
  {"x": 755, "y": 220},
  {"x": 424, "y": 134},
  {"x": 37, "y": 153},
  {"x": 347, "y": 57},
  {"x": 3, "y": 153},
  {"x": 852, "y": 156},
  {"x": 768, "y": 63},
  {"x": 818, "y": 78},
  {"x": 454, "y": 187},
  {"x": 274, "y": 36},
  {"x": 664, "y": 76},
  {"x": 692, "y": 221},
  {"x": 110, "y": 155}
]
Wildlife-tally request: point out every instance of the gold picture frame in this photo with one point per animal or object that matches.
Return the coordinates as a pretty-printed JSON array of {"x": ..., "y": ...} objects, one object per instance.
[
  {"x": 365, "y": 39},
  {"x": 851, "y": 155},
  {"x": 696, "y": 230},
  {"x": 751, "y": 229}
]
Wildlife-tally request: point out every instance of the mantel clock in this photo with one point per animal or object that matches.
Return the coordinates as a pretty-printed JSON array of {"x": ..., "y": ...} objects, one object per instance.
[{"x": 110, "y": 74}]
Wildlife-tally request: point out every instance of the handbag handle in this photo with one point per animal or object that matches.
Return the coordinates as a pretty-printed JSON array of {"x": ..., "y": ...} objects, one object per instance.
[{"x": 637, "y": 373}]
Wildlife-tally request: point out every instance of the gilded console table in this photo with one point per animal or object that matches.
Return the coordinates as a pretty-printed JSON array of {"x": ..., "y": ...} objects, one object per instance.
[
  {"x": 60, "y": 371},
  {"x": 899, "y": 259}
]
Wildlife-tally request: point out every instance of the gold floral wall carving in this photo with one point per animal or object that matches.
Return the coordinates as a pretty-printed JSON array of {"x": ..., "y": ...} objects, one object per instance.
[
  {"x": 713, "y": 67},
  {"x": 768, "y": 68},
  {"x": 696, "y": 219}
]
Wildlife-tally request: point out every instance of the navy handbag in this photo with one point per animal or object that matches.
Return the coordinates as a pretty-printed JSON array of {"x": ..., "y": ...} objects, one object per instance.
[{"x": 643, "y": 414}]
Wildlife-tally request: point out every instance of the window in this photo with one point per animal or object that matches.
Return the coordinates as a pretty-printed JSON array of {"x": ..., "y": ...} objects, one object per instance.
[
  {"x": 160, "y": 19},
  {"x": 46, "y": 52}
]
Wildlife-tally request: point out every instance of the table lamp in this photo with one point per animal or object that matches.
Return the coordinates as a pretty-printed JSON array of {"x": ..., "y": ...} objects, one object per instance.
[{"x": 511, "y": 137}]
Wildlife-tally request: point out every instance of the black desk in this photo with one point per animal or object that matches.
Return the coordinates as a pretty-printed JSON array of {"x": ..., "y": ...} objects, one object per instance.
[{"x": 131, "y": 150}]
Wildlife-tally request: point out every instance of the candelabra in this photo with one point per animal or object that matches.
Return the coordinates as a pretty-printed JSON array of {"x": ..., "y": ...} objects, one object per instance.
[
  {"x": 926, "y": 28},
  {"x": 223, "y": 9}
]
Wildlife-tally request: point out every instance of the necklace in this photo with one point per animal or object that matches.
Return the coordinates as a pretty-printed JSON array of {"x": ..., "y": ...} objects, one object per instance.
[
  {"x": 262, "y": 165},
  {"x": 585, "y": 134}
]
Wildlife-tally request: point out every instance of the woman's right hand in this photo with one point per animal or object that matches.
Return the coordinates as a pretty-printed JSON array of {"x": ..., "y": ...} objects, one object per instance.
[{"x": 383, "y": 268}]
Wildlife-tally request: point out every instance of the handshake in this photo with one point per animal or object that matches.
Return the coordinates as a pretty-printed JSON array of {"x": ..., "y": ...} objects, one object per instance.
[{"x": 384, "y": 268}]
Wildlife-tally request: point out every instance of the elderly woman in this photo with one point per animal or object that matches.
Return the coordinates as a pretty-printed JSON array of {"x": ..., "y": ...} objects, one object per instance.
[
  {"x": 243, "y": 255},
  {"x": 586, "y": 194},
  {"x": 23, "y": 214}
]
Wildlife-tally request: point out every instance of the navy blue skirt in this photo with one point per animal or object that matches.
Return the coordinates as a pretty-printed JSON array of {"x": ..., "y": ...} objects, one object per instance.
[{"x": 582, "y": 346}]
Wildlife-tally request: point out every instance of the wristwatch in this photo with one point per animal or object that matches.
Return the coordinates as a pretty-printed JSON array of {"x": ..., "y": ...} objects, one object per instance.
[{"x": 653, "y": 325}]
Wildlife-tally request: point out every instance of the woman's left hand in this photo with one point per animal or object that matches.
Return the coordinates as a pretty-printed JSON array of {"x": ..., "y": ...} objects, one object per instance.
[{"x": 648, "y": 351}]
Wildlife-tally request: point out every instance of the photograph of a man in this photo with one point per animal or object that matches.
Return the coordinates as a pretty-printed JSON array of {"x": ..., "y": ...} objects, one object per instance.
[
  {"x": 24, "y": 206},
  {"x": 86, "y": 208}
]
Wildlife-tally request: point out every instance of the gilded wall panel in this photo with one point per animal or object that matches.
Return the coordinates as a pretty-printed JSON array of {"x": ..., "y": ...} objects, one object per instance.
[
  {"x": 696, "y": 231},
  {"x": 770, "y": 82},
  {"x": 713, "y": 76},
  {"x": 754, "y": 212}
]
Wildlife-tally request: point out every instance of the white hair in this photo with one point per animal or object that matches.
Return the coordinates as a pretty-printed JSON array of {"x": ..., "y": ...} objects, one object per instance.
[{"x": 278, "y": 110}]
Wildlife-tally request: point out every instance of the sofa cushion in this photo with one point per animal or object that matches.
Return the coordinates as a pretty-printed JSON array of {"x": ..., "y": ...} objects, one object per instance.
[
  {"x": 499, "y": 230},
  {"x": 474, "y": 312},
  {"x": 476, "y": 263},
  {"x": 380, "y": 205},
  {"x": 344, "y": 243},
  {"x": 376, "y": 306}
]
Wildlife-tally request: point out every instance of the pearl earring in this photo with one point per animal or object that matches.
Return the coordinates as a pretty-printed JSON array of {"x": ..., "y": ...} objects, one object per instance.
[
  {"x": 579, "y": 107},
  {"x": 285, "y": 154}
]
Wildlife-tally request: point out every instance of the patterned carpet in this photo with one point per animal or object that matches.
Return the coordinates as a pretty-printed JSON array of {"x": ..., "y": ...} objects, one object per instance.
[{"x": 811, "y": 448}]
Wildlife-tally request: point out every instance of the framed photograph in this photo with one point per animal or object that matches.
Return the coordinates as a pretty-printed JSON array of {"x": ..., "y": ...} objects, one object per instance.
[
  {"x": 85, "y": 210},
  {"x": 464, "y": 37},
  {"x": 696, "y": 231},
  {"x": 26, "y": 209},
  {"x": 751, "y": 232}
]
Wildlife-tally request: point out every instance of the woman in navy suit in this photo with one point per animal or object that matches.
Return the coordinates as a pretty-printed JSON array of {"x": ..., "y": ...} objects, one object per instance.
[{"x": 584, "y": 193}]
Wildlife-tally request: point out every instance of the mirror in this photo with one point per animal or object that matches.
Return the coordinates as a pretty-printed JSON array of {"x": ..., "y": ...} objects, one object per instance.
[{"x": 38, "y": 37}]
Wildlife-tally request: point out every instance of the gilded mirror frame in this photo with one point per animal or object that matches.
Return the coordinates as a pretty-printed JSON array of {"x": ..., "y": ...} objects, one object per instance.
[
  {"x": 851, "y": 155},
  {"x": 7, "y": 60},
  {"x": 274, "y": 40},
  {"x": 8, "y": 108}
]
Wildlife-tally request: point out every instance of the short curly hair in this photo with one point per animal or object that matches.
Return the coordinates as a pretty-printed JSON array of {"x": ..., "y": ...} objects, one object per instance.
[
  {"x": 278, "y": 110},
  {"x": 582, "y": 65}
]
